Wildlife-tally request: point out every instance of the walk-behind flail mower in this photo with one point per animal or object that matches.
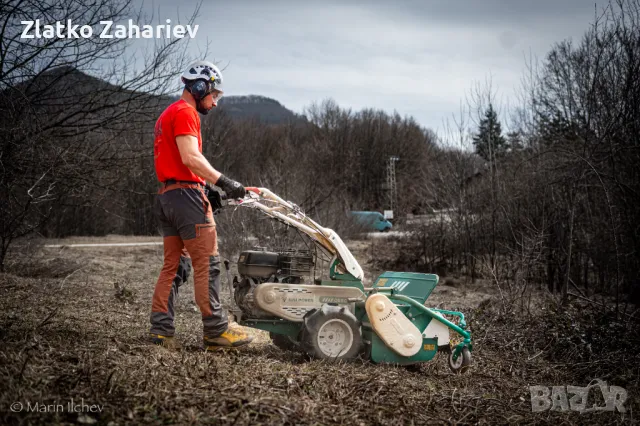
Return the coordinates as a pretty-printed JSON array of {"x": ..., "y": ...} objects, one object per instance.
[{"x": 339, "y": 318}]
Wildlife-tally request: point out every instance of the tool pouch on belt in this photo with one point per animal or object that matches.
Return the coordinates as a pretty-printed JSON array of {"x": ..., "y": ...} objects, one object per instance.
[{"x": 215, "y": 199}]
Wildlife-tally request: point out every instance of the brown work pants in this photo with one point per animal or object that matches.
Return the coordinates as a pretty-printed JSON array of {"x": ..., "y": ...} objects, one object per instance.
[{"x": 186, "y": 220}]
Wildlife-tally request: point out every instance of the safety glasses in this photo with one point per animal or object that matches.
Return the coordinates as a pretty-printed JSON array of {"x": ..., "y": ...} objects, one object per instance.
[{"x": 216, "y": 94}]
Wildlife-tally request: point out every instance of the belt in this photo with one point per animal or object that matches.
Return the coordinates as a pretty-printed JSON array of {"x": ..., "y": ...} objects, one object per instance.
[
  {"x": 171, "y": 184},
  {"x": 184, "y": 182}
]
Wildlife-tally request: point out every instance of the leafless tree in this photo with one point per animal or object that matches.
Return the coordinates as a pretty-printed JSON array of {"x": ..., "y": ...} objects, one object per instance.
[{"x": 71, "y": 109}]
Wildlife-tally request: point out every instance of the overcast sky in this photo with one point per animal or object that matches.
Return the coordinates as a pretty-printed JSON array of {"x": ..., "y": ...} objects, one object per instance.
[{"x": 418, "y": 57}]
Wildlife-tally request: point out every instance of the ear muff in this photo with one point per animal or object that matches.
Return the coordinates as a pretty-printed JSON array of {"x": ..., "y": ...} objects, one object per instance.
[{"x": 199, "y": 89}]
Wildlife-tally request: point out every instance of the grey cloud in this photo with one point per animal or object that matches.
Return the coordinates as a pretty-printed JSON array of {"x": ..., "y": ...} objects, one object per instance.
[
  {"x": 417, "y": 57},
  {"x": 485, "y": 11}
]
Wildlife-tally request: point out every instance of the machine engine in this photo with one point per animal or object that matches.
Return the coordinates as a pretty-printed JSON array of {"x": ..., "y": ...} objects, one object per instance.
[{"x": 260, "y": 266}]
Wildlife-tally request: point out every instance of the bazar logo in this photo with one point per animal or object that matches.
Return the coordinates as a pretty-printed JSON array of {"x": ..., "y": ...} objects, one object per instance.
[{"x": 557, "y": 398}]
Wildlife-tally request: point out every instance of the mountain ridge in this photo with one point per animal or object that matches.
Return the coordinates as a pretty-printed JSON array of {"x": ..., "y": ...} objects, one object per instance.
[
  {"x": 65, "y": 82},
  {"x": 262, "y": 108}
]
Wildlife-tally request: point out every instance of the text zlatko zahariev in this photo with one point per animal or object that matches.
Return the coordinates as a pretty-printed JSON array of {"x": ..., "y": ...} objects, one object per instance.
[{"x": 106, "y": 29}]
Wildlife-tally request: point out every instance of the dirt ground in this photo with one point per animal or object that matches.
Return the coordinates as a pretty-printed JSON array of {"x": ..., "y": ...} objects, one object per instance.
[{"x": 74, "y": 321}]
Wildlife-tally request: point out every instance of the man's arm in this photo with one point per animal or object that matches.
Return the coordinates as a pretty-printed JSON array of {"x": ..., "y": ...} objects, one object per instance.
[
  {"x": 194, "y": 160},
  {"x": 198, "y": 164}
]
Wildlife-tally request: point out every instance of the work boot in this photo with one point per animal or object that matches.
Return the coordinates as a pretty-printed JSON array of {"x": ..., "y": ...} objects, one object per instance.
[
  {"x": 168, "y": 342},
  {"x": 231, "y": 338}
]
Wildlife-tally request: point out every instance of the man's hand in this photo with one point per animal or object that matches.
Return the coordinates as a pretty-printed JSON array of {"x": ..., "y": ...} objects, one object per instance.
[
  {"x": 215, "y": 200},
  {"x": 232, "y": 188}
]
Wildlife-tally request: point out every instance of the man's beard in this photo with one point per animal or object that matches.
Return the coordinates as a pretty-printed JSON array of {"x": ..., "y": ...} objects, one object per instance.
[{"x": 201, "y": 109}]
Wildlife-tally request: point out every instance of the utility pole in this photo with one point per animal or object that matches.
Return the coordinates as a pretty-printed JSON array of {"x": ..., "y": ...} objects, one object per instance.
[{"x": 391, "y": 186}]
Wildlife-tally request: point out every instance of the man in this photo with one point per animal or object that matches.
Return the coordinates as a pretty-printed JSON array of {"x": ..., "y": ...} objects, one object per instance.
[{"x": 185, "y": 213}]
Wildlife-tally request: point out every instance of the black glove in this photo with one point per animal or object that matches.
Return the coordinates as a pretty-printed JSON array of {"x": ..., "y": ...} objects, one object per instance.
[
  {"x": 214, "y": 197},
  {"x": 233, "y": 189}
]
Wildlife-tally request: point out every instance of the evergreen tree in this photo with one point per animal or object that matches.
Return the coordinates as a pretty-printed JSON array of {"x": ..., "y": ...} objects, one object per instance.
[
  {"x": 489, "y": 142},
  {"x": 515, "y": 142}
]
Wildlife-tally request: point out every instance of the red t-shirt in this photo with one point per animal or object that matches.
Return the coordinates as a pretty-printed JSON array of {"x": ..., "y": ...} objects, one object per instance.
[{"x": 178, "y": 119}]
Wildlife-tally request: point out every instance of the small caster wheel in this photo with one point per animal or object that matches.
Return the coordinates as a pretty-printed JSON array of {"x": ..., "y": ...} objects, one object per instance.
[{"x": 460, "y": 365}]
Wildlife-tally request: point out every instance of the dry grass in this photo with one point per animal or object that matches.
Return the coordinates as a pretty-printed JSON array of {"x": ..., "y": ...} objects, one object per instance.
[{"x": 70, "y": 333}]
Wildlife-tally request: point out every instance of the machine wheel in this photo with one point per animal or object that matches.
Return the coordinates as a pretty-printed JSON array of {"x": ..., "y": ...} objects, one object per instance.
[
  {"x": 332, "y": 332},
  {"x": 286, "y": 343},
  {"x": 463, "y": 362}
]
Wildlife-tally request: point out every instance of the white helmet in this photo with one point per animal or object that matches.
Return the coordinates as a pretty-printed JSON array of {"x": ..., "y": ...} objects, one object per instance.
[{"x": 204, "y": 70}]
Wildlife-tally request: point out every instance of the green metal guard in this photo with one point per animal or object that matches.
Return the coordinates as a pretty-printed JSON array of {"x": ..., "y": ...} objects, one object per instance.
[
  {"x": 432, "y": 313},
  {"x": 460, "y": 315}
]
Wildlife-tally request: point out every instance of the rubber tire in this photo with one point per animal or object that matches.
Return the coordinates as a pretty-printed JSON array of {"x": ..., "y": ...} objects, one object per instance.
[
  {"x": 285, "y": 343},
  {"x": 313, "y": 322},
  {"x": 466, "y": 361}
]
